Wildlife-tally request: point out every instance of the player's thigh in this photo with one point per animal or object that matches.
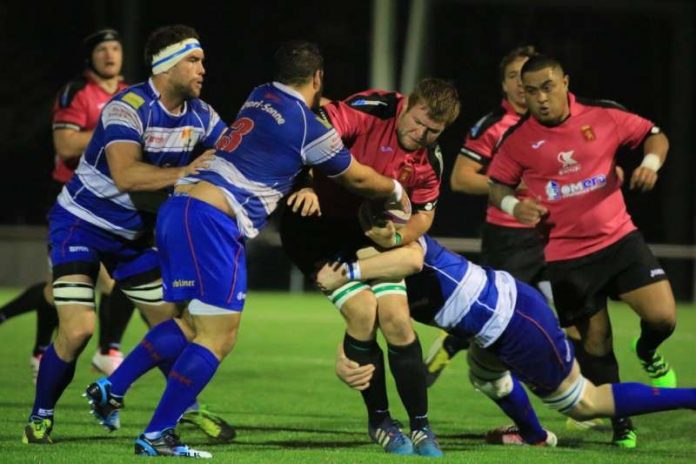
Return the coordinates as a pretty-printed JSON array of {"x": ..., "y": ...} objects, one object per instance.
[
  {"x": 653, "y": 303},
  {"x": 394, "y": 318},
  {"x": 217, "y": 332},
  {"x": 358, "y": 306},
  {"x": 596, "y": 333}
]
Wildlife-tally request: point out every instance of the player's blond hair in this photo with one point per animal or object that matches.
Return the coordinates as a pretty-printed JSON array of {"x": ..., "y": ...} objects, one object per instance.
[{"x": 439, "y": 96}]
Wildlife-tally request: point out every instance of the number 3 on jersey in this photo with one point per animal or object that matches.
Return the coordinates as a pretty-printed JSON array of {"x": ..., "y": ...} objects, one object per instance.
[{"x": 230, "y": 140}]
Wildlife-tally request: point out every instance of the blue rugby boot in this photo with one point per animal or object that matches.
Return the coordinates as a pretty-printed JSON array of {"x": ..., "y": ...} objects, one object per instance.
[
  {"x": 389, "y": 436},
  {"x": 425, "y": 443},
  {"x": 168, "y": 444},
  {"x": 104, "y": 405}
]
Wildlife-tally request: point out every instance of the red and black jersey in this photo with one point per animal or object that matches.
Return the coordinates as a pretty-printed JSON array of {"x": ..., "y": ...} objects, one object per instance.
[
  {"x": 570, "y": 169},
  {"x": 77, "y": 107},
  {"x": 479, "y": 145},
  {"x": 367, "y": 124}
]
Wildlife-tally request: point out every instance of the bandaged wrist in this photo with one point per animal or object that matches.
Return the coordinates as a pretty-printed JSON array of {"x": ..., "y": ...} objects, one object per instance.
[
  {"x": 508, "y": 204},
  {"x": 353, "y": 271},
  {"x": 398, "y": 191},
  {"x": 651, "y": 161}
]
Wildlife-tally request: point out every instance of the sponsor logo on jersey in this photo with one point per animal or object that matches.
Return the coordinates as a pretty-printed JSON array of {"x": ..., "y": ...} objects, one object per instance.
[
  {"x": 78, "y": 249},
  {"x": 133, "y": 99},
  {"x": 588, "y": 133},
  {"x": 556, "y": 191},
  {"x": 183, "y": 283},
  {"x": 405, "y": 173},
  {"x": 241, "y": 296},
  {"x": 363, "y": 102},
  {"x": 386, "y": 149},
  {"x": 656, "y": 272},
  {"x": 568, "y": 164},
  {"x": 266, "y": 108},
  {"x": 537, "y": 145}
]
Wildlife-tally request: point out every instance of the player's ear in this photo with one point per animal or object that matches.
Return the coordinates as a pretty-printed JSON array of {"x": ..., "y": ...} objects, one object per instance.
[{"x": 317, "y": 78}]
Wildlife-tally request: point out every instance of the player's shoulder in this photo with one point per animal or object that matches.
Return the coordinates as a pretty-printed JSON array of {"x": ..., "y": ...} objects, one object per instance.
[
  {"x": 380, "y": 104},
  {"x": 514, "y": 133},
  {"x": 200, "y": 106},
  {"x": 136, "y": 96},
  {"x": 601, "y": 103},
  {"x": 488, "y": 121},
  {"x": 70, "y": 90}
]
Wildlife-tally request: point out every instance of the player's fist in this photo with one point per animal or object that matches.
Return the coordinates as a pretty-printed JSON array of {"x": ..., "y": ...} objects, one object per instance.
[
  {"x": 643, "y": 178},
  {"x": 529, "y": 211}
]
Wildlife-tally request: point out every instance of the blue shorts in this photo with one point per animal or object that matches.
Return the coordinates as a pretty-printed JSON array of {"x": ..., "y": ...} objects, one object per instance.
[
  {"x": 202, "y": 254},
  {"x": 77, "y": 247},
  {"x": 533, "y": 346}
]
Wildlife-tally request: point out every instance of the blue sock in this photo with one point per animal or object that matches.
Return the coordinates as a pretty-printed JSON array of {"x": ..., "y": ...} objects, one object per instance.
[
  {"x": 518, "y": 408},
  {"x": 162, "y": 345},
  {"x": 633, "y": 399},
  {"x": 189, "y": 375},
  {"x": 54, "y": 377}
]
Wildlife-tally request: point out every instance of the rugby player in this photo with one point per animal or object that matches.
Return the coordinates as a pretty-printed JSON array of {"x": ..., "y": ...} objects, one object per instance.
[
  {"x": 397, "y": 136},
  {"x": 143, "y": 142},
  {"x": 564, "y": 152},
  {"x": 514, "y": 336}
]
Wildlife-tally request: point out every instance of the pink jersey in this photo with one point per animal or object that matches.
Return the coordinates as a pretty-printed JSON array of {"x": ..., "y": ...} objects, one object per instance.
[
  {"x": 570, "y": 169},
  {"x": 367, "y": 123},
  {"x": 479, "y": 145},
  {"x": 77, "y": 107}
]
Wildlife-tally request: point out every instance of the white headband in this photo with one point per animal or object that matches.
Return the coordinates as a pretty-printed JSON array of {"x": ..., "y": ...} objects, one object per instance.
[{"x": 169, "y": 56}]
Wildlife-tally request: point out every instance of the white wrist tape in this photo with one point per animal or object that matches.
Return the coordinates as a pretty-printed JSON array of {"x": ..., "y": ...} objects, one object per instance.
[
  {"x": 651, "y": 161},
  {"x": 398, "y": 191},
  {"x": 508, "y": 204},
  {"x": 169, "y": 56},
  {"x": 353, "y": 271}
]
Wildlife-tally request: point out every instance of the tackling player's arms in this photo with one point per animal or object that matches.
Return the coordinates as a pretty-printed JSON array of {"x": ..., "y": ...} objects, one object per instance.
[
  {"x": 389, "y": 265},
  {"x": 365, "y": 181},
  {"x": 130, "y": 173}
]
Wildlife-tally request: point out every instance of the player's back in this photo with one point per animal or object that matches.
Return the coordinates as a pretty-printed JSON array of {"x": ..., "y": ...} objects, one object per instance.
[
  {"x": 475, "y": 301},
  {"x": 259, "y": 156}
]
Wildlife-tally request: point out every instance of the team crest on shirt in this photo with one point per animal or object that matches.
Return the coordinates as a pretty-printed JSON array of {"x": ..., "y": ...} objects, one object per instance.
[
  {"x": 588, "y": 133},
  {"x": 405, "y": 173},
  {"x": 568, "y": 164}
]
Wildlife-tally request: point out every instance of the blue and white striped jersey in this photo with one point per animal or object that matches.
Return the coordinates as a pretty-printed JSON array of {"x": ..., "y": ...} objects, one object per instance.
[
  {"x": 475, "y": 301},
  {"x": 260, "y": 154},
  {"x": 135, "y": 115}
]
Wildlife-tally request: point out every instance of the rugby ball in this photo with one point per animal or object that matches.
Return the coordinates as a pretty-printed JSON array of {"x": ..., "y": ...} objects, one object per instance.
[{"x": 398, "y": 212}]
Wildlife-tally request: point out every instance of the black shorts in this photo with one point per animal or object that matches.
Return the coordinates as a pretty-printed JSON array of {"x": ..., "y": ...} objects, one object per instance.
[
  {"x": 519, "y": 251},
  {"x": 312, "y": 241},
  {"x": 582, "y": 285}
]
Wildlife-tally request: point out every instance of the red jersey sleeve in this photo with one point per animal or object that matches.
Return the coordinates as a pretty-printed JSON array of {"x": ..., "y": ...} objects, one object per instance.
[
  {"x": 347, "y": 121},
  {"x": 504, "y": 168},
  {"x": 479, "y": 149},
  {"x": 630, "y": 128},
  {"x": 70, "y": 113}
]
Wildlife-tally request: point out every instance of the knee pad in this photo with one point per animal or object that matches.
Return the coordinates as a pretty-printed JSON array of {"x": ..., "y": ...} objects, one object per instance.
[
  {"x": 149, "y": 294},
  {"x": 495, "y": 384},
  {"x": 73, "y": 293},
  {"x": 568, "y": 399}
]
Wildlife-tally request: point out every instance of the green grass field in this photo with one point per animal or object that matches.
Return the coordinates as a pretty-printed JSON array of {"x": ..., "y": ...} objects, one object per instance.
[{"x": 279, "y": 389}]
